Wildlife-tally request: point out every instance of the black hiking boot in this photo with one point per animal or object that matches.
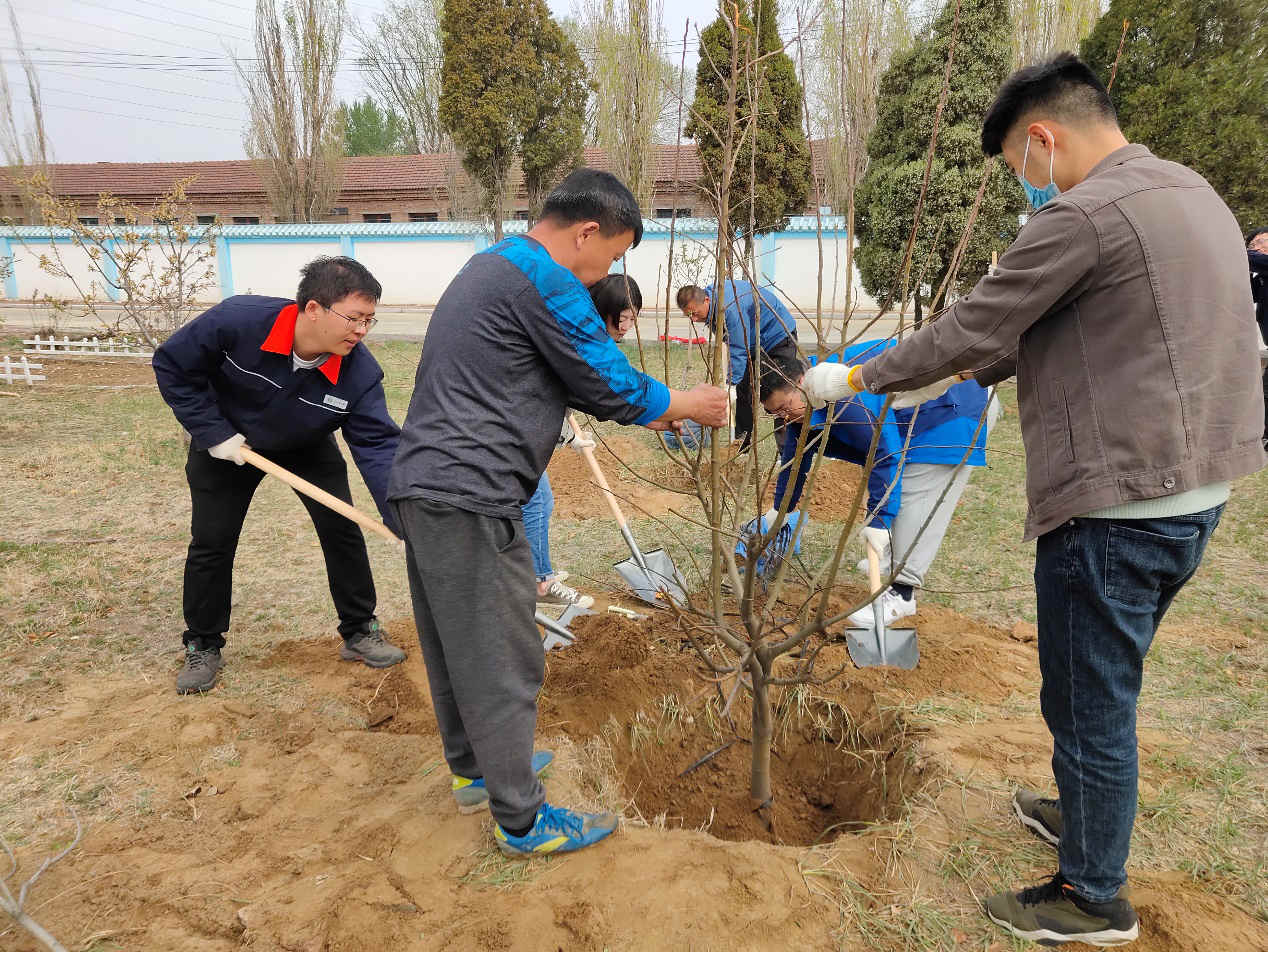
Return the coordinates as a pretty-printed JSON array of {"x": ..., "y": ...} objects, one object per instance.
[
  {"x": 369, "y": 646},
  {"x": 1041, "y": 814},
  {"x": 200, "y": 671},
  {"x": 1053, "y": 913}
]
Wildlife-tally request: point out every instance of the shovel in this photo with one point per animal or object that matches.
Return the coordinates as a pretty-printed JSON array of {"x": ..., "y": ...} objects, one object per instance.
[
  {"x": 314, "y": 492},
  {"x": 652, "y": 575},
  {"x": 874, "y": 646},
  {"x": 557, "y": 632}
]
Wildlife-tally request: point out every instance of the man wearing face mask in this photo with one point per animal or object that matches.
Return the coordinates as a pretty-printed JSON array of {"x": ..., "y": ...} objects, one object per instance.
[{"x": 1123, "y": 309}]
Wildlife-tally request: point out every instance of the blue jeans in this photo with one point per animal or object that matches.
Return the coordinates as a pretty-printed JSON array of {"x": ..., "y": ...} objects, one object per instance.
[
  {"x": 537, "y": 527},
  {"x": 1103, "y": 586}
]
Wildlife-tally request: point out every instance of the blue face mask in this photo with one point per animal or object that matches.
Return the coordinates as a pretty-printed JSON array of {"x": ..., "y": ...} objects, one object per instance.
[{"x": 1038, "y": 197}]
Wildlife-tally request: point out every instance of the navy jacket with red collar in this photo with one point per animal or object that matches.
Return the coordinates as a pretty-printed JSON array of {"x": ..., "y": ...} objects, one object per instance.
[{"x": 230, "y": 371}]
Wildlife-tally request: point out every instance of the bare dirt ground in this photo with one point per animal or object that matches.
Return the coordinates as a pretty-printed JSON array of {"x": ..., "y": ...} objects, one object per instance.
[{"x": 304, "y": 803}]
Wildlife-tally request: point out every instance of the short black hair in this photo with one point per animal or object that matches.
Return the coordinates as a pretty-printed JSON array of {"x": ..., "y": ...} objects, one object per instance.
[
  {"x": 612, "y": 294},
  {"x": 1251, "y": 236},
  {"x": 1064, "y": 86},
  {"x": 332, "y": 278},
  {"x": 783, "y": 372},
  {"x": 688, "y": 294},
  {"x": 588, "y": 195}
]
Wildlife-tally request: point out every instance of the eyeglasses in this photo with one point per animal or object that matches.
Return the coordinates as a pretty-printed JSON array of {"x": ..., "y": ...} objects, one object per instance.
[{"x": 366, "y": 323}]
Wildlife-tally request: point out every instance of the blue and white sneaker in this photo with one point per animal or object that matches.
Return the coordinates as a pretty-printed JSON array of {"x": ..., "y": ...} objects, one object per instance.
[
  {"x": 556, "y": 829},
  {"x": 471, "y": 794}
]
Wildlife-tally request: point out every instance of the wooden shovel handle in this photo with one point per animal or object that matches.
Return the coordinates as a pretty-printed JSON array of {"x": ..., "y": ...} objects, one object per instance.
[
  {"x": 588, "y": 453},
  {"x": 873, "y": 569},
  {"x": 317, "y": 493}
]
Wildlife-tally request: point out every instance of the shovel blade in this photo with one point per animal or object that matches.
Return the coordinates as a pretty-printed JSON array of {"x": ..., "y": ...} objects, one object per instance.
[
  {"x": 660, "y": 583},
  {"x": 901, "y": 650}
]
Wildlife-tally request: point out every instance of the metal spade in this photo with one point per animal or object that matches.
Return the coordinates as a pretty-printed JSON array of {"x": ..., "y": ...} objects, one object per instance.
[
  {"x": 875, "y": 645},
  {"x": 652, "y": 575}
]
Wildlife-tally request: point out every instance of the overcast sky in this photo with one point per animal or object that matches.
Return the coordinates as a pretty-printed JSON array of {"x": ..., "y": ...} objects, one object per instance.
[{"x": 152, "y": 80}]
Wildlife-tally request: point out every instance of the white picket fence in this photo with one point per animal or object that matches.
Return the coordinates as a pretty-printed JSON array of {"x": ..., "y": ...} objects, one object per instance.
[
  {"x": 106, "y": 347},
  {"x": 12, "y": 371}
]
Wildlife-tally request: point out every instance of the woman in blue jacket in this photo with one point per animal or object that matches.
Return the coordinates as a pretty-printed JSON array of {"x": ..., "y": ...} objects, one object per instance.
[{"x": 938, "y": 434}]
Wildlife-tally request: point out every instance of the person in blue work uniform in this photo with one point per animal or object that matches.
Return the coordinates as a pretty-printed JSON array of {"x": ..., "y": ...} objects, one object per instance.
[
  {"x": 752, "y": 320},
  {"x": 280, "y": 377},
  {"x": 939, "y": 435}
]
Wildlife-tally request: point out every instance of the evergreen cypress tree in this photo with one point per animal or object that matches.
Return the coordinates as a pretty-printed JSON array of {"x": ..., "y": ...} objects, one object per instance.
[
  {"x": 780, "y": 167},
  {"x": 1192, "y": 85},
  {"x": 898, "y": 147},
  {"x": 512, "y": 85}
]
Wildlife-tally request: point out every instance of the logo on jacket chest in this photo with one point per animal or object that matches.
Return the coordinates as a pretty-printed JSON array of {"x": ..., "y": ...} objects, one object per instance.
[{"x": 330, "y": 400}]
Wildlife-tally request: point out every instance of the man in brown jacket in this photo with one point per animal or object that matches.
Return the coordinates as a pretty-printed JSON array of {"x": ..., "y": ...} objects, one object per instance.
[{"x": 1124, "y": 312}]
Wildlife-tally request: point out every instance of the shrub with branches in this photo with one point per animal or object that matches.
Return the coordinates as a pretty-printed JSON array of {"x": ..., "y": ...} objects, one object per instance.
[{"x": 155, "y": 275}]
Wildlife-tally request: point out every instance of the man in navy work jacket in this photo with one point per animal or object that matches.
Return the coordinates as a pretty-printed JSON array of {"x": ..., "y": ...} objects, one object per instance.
[
  {"x": 937, "y": 436},
  {"x": 514, "y": 340},
  {"x": 752, "y": 319},
  {"x": 280, "y": 377}
]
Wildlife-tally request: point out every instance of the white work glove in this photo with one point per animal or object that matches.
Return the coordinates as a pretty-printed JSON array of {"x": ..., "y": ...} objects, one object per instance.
[
  {"x": 579, "y": 441},
  {"x": 877, "y": 537},
  {"x": 828, "y": 382},
  {"x": 230, "y": 449},
  {"x": 907, "y": 399}
]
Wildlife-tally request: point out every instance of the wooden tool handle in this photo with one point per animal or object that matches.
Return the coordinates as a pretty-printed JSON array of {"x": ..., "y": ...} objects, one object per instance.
[
  {"x": 317, "y": 493},
  {"x": 873, "y": 568},
  {"x": 588, "y": 453}
]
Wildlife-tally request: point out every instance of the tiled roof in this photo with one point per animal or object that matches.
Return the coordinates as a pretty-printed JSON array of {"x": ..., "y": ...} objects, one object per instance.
[{"x": 361, "y": 174}]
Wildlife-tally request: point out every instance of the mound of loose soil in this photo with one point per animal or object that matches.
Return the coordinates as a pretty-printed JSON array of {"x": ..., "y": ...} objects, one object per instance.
[{"x": 577, "y": 495}]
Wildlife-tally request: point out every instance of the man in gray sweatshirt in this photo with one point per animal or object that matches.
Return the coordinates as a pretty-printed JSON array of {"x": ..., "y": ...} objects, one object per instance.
[
  {"x": 1124, "y": 312},
  {"x": 514, "y": 340}
]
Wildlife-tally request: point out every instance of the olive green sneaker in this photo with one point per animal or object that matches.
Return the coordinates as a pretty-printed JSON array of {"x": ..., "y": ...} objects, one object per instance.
[
  {"x": 1041, "y": 814},
  {"x": 369, "y": 646},
  {"x": 1053, "y": 913}
]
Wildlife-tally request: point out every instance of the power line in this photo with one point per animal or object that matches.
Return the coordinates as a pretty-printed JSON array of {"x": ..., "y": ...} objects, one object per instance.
[
  {"x": 236, "y": 26},
  {"x": 128, "y": 102},
  {"x": 165, "y": 122},
  {"x": 149, "y": 89},
  {"x": 142, "y": 16},
  {"x": 113, "y": 29}
]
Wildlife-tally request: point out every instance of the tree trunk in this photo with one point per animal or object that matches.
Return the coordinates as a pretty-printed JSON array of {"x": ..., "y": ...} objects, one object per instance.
[
  {"x": 919, "y": 317},
  {"x": 498, "y": 212},
  {"x": 763, "y": 734}
]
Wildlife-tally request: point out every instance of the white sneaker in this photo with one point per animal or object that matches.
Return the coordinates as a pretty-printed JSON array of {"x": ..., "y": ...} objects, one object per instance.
[
  {"x": 560, "y": 595},
  {"x": 893, "y": 607}
]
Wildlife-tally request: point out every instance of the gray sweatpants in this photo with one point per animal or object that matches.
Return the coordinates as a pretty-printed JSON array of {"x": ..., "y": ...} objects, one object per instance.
[
  {"x": 923, "y": 483},
  {"x": 471, "y": 579}
]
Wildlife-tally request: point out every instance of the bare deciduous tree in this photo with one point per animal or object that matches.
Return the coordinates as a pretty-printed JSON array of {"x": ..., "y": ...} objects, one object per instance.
[
  {"x": 1044, "y": 27},
  {"x": 23, "y": 142},
  {"x": 633, "y": 94},
  {"x": 400, "y": 56},
  {"x": 843, "y": 67},
  {"x": 14, "y": 905},
  {"x": 295, "y": 133},
  {"x": 155, "y": 274}
]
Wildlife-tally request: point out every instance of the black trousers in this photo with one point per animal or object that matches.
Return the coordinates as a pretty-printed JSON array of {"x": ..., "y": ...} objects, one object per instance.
[
  {"x": 221, "y": 493},
  {"x": 784, "y": 351}
]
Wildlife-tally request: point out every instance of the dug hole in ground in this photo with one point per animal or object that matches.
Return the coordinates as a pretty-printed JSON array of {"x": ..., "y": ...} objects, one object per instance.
[{"x": 304, "y": 804}]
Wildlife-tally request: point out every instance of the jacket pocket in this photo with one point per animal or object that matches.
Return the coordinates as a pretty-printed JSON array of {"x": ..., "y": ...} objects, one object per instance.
[{"x": 1058, "y": 437}]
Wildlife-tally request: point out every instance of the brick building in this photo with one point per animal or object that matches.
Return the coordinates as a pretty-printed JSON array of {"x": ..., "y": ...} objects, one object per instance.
[{"x": 415, "y": 188}]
